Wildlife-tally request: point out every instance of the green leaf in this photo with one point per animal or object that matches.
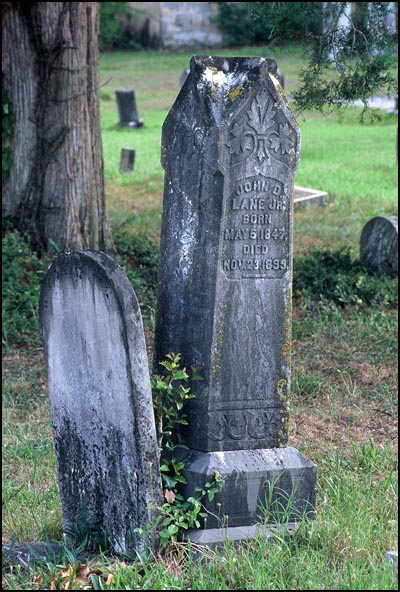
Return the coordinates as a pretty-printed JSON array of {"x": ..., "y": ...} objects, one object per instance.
[
  {"x": 178, "y": 465},
  {"x": 183, "y": 390},
  {"x": 180, "y": 375},
  {"x": 160, "y": 385},
  {"x": 169, "y": 482},
  {"x": 181, "y": 479},
  {"x": 172, "y": 529}
]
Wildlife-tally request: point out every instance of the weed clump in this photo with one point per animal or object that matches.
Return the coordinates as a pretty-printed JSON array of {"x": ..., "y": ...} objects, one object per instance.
[
  {"x": 138, "y": 257},
  {"x": 336, "y": 277},
  {"x": 22, "y": 274}
]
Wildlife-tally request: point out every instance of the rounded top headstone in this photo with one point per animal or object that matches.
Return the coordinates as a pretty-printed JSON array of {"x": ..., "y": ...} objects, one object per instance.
[
  {"x": 100, "y": 399},
  {"x": 379, "y": 245}
]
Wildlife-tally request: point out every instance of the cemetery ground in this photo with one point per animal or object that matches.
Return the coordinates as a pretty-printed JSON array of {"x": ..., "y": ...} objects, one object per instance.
[{"x": 344, "y": 360}]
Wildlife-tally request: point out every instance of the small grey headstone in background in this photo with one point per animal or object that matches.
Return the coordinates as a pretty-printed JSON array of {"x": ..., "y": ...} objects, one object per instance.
[
  {"x": 127, "y": 160},
  {"x": 230, "y": 148},
  {"x": 379, "y": 243},
  {"x": 100, "y": 398},
  {"x": 127, "y": 110},
  {"x": 183, "y": 76}
]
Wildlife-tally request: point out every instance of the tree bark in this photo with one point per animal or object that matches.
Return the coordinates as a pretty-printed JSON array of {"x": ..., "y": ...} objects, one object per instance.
[{"x": 55, "y": 189}]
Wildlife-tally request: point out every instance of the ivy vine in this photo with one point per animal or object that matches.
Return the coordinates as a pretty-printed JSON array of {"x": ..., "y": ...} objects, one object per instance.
[{"x": 171, "y": 391}]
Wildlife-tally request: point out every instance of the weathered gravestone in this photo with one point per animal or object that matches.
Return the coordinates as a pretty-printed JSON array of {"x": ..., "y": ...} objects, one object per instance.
[
  {"x": 100, "y": 397},
  {"x": 127, "y": 160},
  {"x": 127, "y": 110},
  {"x": 379, "y": 244},
  {"x": 230, "y": 148}
]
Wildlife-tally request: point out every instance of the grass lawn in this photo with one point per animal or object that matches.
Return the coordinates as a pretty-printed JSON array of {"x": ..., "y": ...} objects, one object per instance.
[
  {"x": 356, "y": 164},
  {"x": 344, "y": 358}
]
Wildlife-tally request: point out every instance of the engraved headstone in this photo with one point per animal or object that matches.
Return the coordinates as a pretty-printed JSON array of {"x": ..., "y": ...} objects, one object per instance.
[
  {"x": 127, "y": 160},
  {"x": 379, "y": 244},
  {"x": 100, "y": 398},
  {"x": 230, "y": 148},
  {"x": 127, "y": 110}
]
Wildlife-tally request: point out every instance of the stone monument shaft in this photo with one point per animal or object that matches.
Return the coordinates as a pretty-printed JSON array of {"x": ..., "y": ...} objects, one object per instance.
[{"x": 230, "y": 149}]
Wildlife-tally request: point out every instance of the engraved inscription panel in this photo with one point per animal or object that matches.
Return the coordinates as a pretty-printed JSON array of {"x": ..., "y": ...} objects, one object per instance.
[{"x": 255, "y": 237}]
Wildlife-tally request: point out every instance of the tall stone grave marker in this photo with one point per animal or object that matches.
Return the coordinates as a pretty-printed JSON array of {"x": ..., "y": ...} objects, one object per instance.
[
  {"x": 127, "y": 110},
  {"x": 230, "y": 148},
  {"x": 100, "y": 399}
]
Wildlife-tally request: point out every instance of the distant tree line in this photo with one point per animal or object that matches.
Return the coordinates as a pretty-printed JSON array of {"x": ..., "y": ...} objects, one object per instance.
[
  {"x": 244, "y": 23},
  {"x": 52, "y": 164},
  {"x": 115, "y": 26},
  {"x": 291, "y": 21}
]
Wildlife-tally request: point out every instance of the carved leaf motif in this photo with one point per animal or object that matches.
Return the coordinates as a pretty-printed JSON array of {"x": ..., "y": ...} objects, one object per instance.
[
  {"x": 236, "y": 143},
  {"x": 261, "y": 116},
  {"x": 261, "y": 151},
  {"x": 259, "y": 134},
  {"x": 286, "y": 141},
  {"x": 274, "y": 142}
]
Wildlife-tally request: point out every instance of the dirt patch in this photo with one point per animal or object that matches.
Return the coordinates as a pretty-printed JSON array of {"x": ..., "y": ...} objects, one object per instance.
[
  {"x": 136, "y": 199},
  {"x": 310, "y": 429}
]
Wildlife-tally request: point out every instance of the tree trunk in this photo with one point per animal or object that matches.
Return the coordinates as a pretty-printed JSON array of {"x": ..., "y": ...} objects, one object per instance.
[{"x": 55, "y": 189}]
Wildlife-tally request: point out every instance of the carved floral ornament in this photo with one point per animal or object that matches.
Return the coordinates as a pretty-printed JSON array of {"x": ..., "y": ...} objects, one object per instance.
[
  {"x": 261, "y": 136},
  {"x": 246, "y": 425}
]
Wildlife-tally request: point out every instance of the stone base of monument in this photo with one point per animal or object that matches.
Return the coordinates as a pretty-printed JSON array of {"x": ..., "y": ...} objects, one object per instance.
[
  {"x": 261, "y": 488},
  {"x": 305, "y": 196},
  {"x": 131, "y": 124},
  {"x": 212, "y": 537}
]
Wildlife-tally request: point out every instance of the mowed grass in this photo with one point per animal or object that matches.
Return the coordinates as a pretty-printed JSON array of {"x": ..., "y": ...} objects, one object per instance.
[
  {"x": 344, "y": 362},
  {"x": 355, "y": 164}
]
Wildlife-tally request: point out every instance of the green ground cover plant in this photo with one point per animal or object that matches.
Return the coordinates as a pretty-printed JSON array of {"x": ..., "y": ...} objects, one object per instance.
[{"x": 344, "y": 361}]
